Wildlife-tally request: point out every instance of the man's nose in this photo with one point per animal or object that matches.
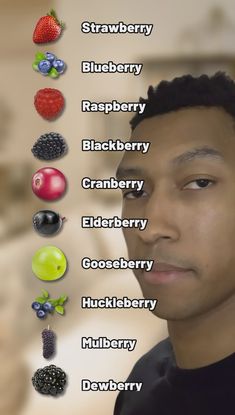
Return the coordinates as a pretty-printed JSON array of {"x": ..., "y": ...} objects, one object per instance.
[{"x": 162, "y": 214}]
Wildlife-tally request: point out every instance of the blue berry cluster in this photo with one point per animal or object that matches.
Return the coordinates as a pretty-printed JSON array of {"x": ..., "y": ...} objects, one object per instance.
[
  {"x": 48, "y": 64},
  {"x": 44, "y": 304},
  {"x": 42, "y": 309}
]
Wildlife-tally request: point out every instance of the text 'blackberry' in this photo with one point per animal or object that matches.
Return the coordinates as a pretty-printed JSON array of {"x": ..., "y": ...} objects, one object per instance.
[{"x": 49, "y": 146}]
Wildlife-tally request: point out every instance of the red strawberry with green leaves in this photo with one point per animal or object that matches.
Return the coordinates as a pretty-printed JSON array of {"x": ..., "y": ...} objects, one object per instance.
[
  {"x": 48, "y": 28},
  {"x": 49, "y": 103}
]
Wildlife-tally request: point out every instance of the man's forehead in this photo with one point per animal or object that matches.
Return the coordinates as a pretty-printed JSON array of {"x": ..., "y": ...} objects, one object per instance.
[
  {"x": 185, "y": 130},
  {"x": 181, "y": 137},
  {"x": 193, "y": 120}
]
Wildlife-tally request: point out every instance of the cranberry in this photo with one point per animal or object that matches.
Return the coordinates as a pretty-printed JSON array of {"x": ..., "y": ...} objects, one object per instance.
[{"x": 49, "y": 183}]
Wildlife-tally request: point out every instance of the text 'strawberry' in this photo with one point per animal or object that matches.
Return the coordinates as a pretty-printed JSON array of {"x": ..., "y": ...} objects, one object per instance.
[
  {"x": 50, "y": 380},
  {"x": 48, "y": 340},
  {"x": 49, "y": 146},
  {"x": 49, "y": 103},
  {"x": 48, "y": 28}
]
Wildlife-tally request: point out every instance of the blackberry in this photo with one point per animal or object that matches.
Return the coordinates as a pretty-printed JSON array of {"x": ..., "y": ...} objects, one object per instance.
[
  {"x": 50, "y": 380},
  {"x": 49, "y": 146},
  {"x": 48, "y": 340}
]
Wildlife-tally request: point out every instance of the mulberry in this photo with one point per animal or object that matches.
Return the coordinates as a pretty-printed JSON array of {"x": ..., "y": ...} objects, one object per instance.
[{"x": 48, "y": 339}]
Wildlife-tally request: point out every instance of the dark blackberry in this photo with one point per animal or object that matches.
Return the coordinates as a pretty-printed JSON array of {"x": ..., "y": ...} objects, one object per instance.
[
  {"x": 49, "y": 146},
  {"x": 50, "y": 380},
  {"x": 48, "y": 340}
]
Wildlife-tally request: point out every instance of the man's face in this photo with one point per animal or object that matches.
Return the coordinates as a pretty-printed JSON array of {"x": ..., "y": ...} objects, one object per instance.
[{"x": 189, "y": 201}]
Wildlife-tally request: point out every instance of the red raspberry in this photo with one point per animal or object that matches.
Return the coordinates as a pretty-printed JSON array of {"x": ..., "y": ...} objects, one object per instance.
[{"x": 49, "y": 103}]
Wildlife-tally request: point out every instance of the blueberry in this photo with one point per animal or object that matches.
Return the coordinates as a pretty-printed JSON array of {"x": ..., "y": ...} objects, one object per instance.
[
  {"x": 44, "y": 66},
  {"x": 48, "y": 307},
  {"x": 59, "y": 65},
  {"x": 41, "y": 314},
  {"x": 50, "y": 57},
  {"x": 36, "y": 306}
]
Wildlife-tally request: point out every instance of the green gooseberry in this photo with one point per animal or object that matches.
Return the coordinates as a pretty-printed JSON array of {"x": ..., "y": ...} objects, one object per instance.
[{"x": 49, "y": 263}]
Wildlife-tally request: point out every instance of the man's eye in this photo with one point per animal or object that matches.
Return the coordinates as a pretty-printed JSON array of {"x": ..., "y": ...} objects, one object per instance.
[
  {"x": 199, "y": 184},
  {"x": 134, "y": 194}
]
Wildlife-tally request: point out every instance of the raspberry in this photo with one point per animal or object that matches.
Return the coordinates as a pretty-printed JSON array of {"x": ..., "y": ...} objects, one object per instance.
[
  {"x": 49, "y": 103},
  {"x": 49, "y": 381},
  {"x": 49, "y": 146},
  {"x": 48, "y": 339}
]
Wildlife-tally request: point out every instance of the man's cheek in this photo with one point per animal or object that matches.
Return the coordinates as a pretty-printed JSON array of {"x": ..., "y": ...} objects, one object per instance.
[{"x": 208, "y": 229}]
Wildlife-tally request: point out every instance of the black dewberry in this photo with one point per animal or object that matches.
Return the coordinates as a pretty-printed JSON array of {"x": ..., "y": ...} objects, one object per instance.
[
  {"x": 48, "y": 340},
  {"x": 49, "y": 147},
  {"x": 50, "y": 380}
]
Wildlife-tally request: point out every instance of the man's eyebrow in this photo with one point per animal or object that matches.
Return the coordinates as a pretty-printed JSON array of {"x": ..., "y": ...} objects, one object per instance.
[
  {"x": 129, "y": 171},
  {"x": 190, "y": 155},
  {"x": 198, "y": 153}
]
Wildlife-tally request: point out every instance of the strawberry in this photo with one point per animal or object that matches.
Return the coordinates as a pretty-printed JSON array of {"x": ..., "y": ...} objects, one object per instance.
[
  {"x": 49, "y": 103},
  {"x": 48, "y": 28}
]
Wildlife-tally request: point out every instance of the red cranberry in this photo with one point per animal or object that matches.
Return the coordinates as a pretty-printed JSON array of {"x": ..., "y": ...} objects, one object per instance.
[{"x": 49, "y": 183}]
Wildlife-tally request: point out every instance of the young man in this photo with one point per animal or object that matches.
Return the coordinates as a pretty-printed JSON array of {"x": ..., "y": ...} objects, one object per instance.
[{"x": 188, "y": 198}]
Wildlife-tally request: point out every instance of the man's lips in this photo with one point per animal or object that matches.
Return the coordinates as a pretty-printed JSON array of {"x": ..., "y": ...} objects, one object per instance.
[
  {"x": 163, "y": 267},
  {"x": 162, "y": 273}
]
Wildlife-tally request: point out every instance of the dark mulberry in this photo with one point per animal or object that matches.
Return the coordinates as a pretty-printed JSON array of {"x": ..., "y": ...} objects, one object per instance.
[{"x": 48, "y": 340}]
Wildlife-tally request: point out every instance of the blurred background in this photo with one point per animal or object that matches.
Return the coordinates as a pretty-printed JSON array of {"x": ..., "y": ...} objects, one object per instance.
[{"x": 188, "y": 37}]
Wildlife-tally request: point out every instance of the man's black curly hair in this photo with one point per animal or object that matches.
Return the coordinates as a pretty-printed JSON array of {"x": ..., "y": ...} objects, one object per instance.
[{"x": 187, "y": 91}]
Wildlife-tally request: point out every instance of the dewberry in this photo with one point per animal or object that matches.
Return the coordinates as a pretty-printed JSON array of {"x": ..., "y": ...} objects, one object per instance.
[{"x": 49, "y": 381}]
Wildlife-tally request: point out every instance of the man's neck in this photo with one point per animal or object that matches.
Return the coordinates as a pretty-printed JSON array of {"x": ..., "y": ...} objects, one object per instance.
[{"x": 205, "y": 339}]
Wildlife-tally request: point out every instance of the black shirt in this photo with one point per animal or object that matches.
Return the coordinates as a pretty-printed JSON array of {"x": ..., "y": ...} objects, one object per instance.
[{"x": 169, "y": 390}]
